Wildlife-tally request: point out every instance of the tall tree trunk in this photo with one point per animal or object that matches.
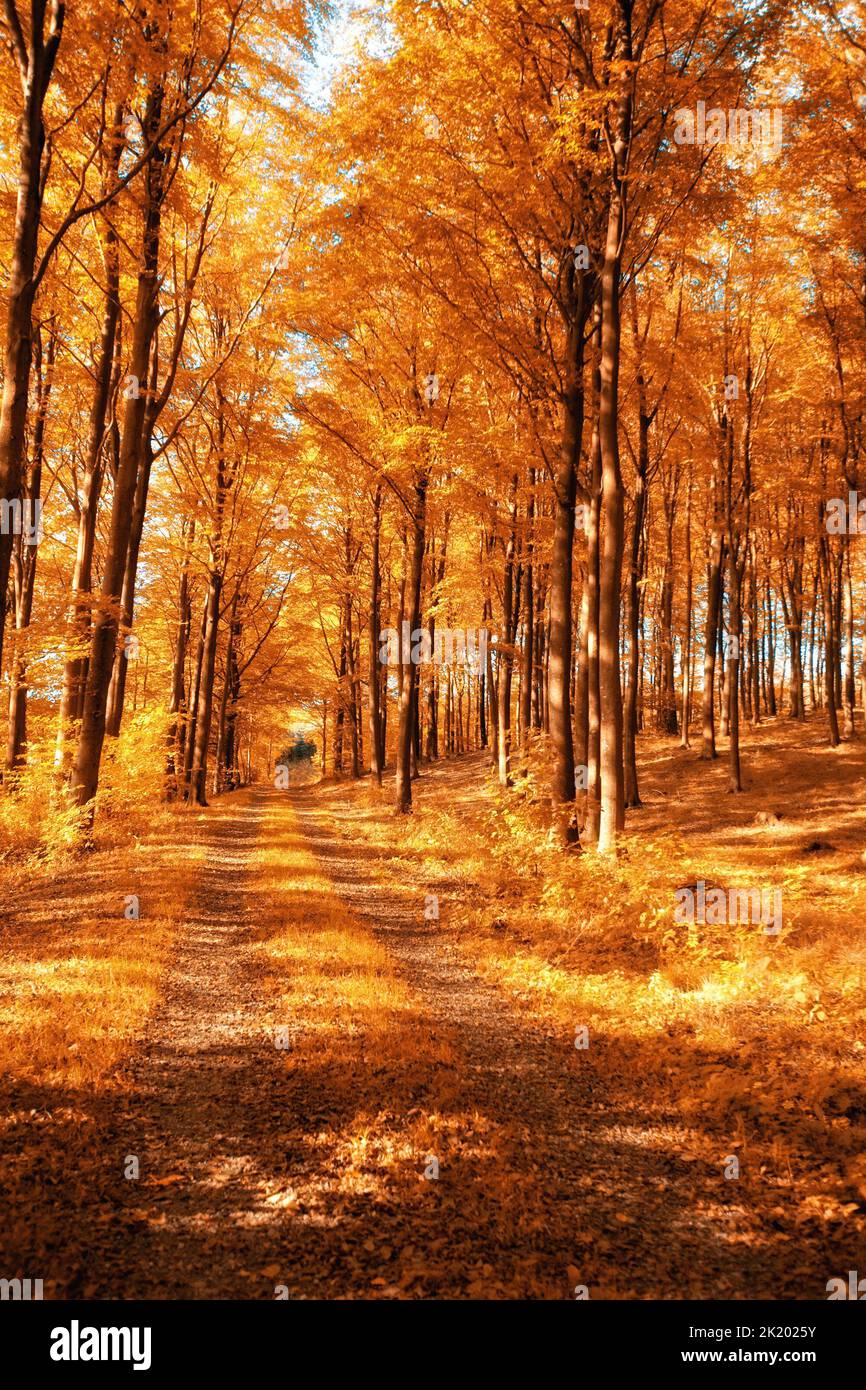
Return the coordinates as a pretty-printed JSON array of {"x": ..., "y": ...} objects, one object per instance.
[
  {"x": 340, "y": 718},
  {"x": 34, "y": 53},
  {"x": 770, "y": 627},
  {"x": 732, "y": 666},
  {"x": 117, "y": 686},
  {"x": 505, "y": 654},
  {"x": 106, "y": 377},
  {"x": 85, "y": 774},
  {"x": 714, "y": 605},
  {"x": 848, "y": 679},
  {"x": 374, "y": 708},
  {"x": 156, "y": 401},
  {"x": 612, "y": 819},
  {"x": 354, "y": 703},
  {"x": 829, "y": 636},
  {"x": 562, "y": 560},
  {"x": 225, "y": 473},
  {"x": 231, "y": 739},
  {"x": 632, "y": 793},
  {"x": 27, "y": 549},
  {"x": 754, "y": 636},
  {"x": 220, "y": 761},
  {"x": 177, "y": 702},
  {"x": 687, "y": 626},
  {"x": 539, "y": 658},
  {"x": 581, "y": 685},
  {"x": 593, "y": 702},
  {"x": 528, "y": 617},
  {"x": 794, "y": 627},
  {"x": 204, "y": 713},
  {"x": 408, "y": 668},
  {"x": 490, "y": 687},
  {"x": 188, "y": 727},
  {"x": 668, "y": 692}
]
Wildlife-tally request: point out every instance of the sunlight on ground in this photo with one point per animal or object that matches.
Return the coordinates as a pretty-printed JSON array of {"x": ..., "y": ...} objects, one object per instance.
[
  {"x": 77, "y": 977},
  {"x": 757, "y": 1040}
]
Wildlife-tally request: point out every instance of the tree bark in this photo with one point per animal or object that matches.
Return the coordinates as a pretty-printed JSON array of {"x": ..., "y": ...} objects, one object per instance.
[
  {"x": 117, "y": 686},
  {"x": 177, "y": 702},
  {"x": 85, "y": 774},
  {"x": 374, "y": 708},
  {"x": 408, "y": 669},
  {"x": 27, "y": 549},
  {"x": 829, "y": 636},
  {"x": 612, "y": 819},
  {"x": 562, "y": 560},
  {"x": 687, "y": 625},
  {"x": 714, "y": 602},
  {"x": 528, "y": 616},
  {"x": 35, "y": 55},
  {"x": 848, "y": 679},
  {"x": 505, "y": 652},
  {"x": 631, "y": 791},
  {"x": 106, "y": 377}
]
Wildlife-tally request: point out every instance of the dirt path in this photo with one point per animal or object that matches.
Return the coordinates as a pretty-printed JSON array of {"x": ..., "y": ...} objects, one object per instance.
[
  {"x": 544, "y": 1183},
  {"x": 198, "y": 1105},
  {"x": 584, "y": 1189}
]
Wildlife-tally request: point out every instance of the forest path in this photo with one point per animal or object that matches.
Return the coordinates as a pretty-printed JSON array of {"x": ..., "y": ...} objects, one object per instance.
[
  {"x": 550, "y": 1182},
  {"x": 304, "y": 1170},
  {"x": 196, "y": 1104}
]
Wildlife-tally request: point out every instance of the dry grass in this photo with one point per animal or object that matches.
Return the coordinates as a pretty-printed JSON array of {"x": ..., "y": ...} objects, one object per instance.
[
  {"x": 757, "y": 1041},
  {"x": 77, "y": 976},
  {"x": 77, "y": 981},
  {"x": 37, "y": 825},
  {"x": 704, "y": 1042}
]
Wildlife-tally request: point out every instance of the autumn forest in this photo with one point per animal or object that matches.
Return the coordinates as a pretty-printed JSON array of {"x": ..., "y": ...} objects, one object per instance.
[{"x": 432, "y": 667}]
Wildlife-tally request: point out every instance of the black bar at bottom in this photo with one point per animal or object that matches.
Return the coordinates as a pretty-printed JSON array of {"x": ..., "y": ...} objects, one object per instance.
[{"x": 400, "y": 1341}]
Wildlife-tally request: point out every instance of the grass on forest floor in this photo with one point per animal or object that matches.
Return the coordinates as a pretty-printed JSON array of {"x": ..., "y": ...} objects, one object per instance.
[
  {"x": 708, "y": 1040},
  {"x": 78, "y": 971},
  {"x": 78, "y": 978},
  {"x": 756, "y": 1040}
]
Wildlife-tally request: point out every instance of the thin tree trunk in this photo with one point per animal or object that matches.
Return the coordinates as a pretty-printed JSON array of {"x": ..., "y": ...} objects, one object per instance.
[
  {"x": 528, "y": 616},
  {"x": 27, "y": 549},
  {"x": 714, "y": 603},
  {"x": 829, "y": 639},
  {"x": 632, "y": 614},
  {"x": 204, "y": 713},
  {"x": 354, "y": 710},
  {"x": 687, "y": 627},
  {"x": 732, "y": 668},
  {"x": 220, "y": 761},
  {"x": 374, "y": 708},
  {"x": 505, "y": 654},
  {"x": 562, "y": 563},
  {"x": 408, "y": 669},
  {"x": 177, "y": 702},
  {"x": 612, "y": 819},
  {"x": 848, "y": 680},
  {"x": 188, "y": 727},
  {"x": 593, "y": 704}
]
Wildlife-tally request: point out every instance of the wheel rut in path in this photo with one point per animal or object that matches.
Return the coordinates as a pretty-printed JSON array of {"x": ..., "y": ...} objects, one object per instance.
[
  {"x": 620, "y": 1206},
  {"x": 197, "y": 1102},
  {"x": 249, "y": 1176}
]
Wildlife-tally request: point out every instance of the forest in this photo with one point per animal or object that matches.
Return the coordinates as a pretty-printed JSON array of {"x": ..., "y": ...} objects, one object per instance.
[{"x": 433, "y": 806}]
